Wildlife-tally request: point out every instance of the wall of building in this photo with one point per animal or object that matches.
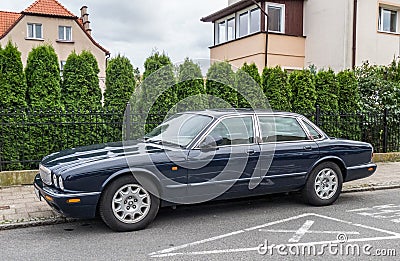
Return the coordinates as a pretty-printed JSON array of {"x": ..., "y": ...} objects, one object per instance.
[
  {"x": 50, "y": 34},
  {"x": 286, "y": 51},
  {"x": 328, "y": 31},
  {"x": 376, "y": 47}
]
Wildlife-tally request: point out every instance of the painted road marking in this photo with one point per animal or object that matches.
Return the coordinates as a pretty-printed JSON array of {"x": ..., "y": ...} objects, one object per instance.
[
  {"x": 301, "y": 231},
  {"x": 311, "y": 231},
  {"x": 388, "y": 212},
  {"x": 176, "y": 250}
]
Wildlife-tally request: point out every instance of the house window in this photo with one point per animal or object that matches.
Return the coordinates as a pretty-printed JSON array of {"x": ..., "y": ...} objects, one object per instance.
[
  {"x": 255, "y": 16},
  {"x": 231, "y": 29},
  {"x": 35, "y": 31},
  {"x": 387, "y": 20},
  {"x": 249, "y": 22},
  {"x": 276, "y": 15},
  {"x": 222, "y": 32},
  {"x": 225, "y": 30},
  {"x": 65, "y": 33},
  {"x": 244, "y": 24}
]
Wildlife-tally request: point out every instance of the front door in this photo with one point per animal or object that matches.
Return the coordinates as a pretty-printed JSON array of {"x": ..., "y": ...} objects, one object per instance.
[{"x": 226, "y": 168}]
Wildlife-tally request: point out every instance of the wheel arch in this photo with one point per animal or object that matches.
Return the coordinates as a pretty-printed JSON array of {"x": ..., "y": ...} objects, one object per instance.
[{"x": 338, "y": 161}]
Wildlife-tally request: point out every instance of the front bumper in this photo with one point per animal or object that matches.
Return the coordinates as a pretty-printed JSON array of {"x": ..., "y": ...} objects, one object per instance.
[
  {"x": 58, "y": 200},
  {"x": 360, "y": 172}
]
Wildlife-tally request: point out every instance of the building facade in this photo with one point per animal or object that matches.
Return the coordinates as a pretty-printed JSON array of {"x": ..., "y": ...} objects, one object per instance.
[
  {"x": 48, "y": 22},
  {"x": 337, "y": 34}
]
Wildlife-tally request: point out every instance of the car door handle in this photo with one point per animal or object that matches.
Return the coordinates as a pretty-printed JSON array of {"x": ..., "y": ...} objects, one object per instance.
[
  {"x": 251, "y": 152},
  {"x": 307, "y": 148}
]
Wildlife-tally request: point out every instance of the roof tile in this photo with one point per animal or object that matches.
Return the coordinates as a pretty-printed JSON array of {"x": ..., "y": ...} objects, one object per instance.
[
  {"x": 7, "y": 19},
  {"x": 48, "y": 7}
]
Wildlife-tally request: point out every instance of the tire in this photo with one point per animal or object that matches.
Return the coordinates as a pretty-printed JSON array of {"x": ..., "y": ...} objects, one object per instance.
[
  {"x": 323, "y": 185},
  {"x": 126, "y": 206}
]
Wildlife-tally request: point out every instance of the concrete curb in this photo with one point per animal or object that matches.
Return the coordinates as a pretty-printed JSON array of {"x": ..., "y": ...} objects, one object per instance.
[
  {"x": 35, "y": 222},
  {"x": 370, "y": 188}
]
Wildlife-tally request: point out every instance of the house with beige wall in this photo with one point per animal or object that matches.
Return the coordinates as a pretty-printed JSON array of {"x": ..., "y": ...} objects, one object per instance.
[
  {"x": 339, "y": 34},
  {"x": 48, "y": 22}
]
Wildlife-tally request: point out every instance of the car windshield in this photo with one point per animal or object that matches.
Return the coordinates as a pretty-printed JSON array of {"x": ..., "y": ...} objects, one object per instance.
[{"x": 179, "y": 130}]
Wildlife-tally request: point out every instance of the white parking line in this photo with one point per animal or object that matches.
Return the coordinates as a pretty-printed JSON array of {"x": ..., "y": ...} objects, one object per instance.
[
  {"x": 169, "y": 252},
  {"x": 301, "y": 231},
  {"x": 310, "y": 231}
]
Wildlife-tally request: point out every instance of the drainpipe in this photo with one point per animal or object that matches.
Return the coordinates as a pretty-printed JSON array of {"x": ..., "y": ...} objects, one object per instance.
[
  {"x": 354, "y": 50},
  {"x": 263, "y": 10}
]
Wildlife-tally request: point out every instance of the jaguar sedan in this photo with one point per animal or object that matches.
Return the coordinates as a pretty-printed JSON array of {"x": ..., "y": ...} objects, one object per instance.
[{"x": 200, "y": 156}]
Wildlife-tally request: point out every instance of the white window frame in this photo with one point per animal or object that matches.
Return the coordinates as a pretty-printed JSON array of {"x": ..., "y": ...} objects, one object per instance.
[
  {"x": 34, "y": 36},
  {"x": 283, "y": 14},
  {"x": 248, "y": 11},
  {"x": 380, "y": 18},
  {"x": 224, "y": 20},
  {"x": 65, "y": 33}
]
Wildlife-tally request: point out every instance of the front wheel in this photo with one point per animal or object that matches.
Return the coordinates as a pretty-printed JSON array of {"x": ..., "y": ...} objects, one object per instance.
[
  {"x": 324, "y": 185},
  {"x": 127, "y": 206}
]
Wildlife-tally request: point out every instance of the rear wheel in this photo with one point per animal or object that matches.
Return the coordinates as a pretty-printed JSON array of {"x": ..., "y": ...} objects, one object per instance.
[
  {"x": 324, "y": 185},
  {"x": 127, "y": 206}
]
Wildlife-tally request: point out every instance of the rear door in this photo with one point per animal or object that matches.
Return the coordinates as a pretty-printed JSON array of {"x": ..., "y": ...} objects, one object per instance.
[{"x": 292, "y": 150}]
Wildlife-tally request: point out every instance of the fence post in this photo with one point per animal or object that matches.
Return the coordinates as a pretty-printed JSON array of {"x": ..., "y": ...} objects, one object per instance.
[
  {"x": 317, "y": 114},
  {"x": 385, "y": 130},
  {"x": 128, "y": 121}
]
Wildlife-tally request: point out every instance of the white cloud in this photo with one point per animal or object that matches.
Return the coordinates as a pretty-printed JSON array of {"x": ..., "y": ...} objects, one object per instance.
[{"x": 134, "y": 27}]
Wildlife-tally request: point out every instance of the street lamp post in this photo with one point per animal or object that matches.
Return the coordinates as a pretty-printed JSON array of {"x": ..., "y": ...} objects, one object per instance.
[{"x": 267, "y": 25}]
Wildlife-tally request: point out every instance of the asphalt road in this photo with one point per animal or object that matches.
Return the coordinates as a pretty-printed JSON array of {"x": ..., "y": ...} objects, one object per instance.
[{"x": 360, "y": 225}]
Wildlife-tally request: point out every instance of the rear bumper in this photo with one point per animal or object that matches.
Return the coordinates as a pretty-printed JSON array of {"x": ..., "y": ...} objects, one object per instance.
[
  {"x": 360, "y": 172},
  {"x": 57, "y": 199}
]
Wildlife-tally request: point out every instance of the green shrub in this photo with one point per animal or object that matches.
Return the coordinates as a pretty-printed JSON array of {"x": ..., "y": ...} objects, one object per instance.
[
  {"x": 304, "y": 96},
  {"x": 248, "y": 84},
  {"x": 276, "y": 88},
  {"x": 43, "y": 79},
  {"x": 13, "y": 94},
  {"x": 190, "y": 87},
  {"x": 219, "y": 85}
]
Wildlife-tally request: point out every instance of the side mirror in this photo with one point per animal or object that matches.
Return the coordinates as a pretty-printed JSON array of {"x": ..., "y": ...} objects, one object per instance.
[{"x": 208, "y": 144}]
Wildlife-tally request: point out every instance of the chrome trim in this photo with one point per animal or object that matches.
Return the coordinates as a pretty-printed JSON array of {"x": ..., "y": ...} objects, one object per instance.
[
  {"x": 52, "y": 193},
  {"x": 287, "y": 175},
  {"x": 369, "y": 165}
]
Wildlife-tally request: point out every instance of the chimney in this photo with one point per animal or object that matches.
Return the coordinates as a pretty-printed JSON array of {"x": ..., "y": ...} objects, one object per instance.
[{"x": 85, "y": 19}]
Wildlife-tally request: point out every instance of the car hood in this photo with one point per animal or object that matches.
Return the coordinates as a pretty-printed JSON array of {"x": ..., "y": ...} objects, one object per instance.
[{"x": 99, "y": 152}]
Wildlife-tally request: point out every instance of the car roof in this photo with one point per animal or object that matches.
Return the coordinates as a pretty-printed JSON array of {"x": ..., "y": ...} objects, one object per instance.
[{"x": 217, "y": 113}]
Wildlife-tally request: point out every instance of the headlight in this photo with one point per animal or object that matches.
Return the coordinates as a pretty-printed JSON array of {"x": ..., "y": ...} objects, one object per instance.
[
  {"x": 61, "y": 183},
  {"x": 55, "y": 180}
]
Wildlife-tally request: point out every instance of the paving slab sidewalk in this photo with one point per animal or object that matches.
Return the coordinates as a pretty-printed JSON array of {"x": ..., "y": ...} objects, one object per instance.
[{"x": 19, "y": 206}]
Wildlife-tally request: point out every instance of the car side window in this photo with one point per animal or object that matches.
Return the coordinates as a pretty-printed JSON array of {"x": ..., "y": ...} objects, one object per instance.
[
  {"x": 234, "y": 131},
  {"x": 286, "y": 129},
  {"x": 314, "y": 133}
]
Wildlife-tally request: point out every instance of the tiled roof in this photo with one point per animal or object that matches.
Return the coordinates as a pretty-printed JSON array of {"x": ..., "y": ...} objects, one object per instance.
[
  {"x": 48, "y": 7},
  {"x": 7, "y": 20},
  {"x": 45, "y": 8}
]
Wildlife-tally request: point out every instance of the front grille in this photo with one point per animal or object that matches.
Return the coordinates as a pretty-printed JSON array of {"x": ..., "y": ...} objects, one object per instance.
[{"x": 45, "y": 175}]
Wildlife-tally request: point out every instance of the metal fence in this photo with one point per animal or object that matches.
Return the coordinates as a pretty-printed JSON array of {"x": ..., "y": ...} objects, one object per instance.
[{"x": 27, "y": 136}]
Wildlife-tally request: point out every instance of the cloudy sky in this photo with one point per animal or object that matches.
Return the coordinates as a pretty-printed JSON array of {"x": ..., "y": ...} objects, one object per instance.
[{"x": 135, "y": 27}]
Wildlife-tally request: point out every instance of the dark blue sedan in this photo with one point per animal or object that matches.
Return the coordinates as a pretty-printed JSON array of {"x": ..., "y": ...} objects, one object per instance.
[{"x": 200, "y": 156}]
